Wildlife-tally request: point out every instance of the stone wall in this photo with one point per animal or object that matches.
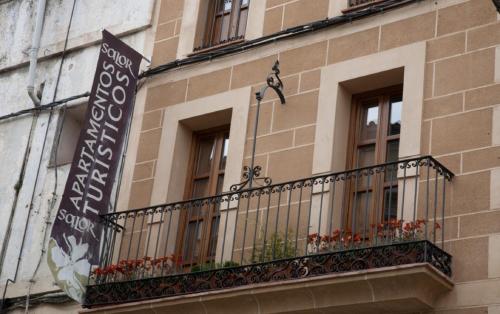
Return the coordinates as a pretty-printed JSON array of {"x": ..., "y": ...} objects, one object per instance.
[{"x": 460, "y": 126}]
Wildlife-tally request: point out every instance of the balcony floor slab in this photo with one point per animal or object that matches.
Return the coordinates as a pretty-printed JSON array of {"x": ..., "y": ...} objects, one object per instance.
[{"x": 395, "y": 289}]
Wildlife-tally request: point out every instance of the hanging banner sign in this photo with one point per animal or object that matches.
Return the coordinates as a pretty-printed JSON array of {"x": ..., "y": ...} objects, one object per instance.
[{"x": 76, "y": 234}]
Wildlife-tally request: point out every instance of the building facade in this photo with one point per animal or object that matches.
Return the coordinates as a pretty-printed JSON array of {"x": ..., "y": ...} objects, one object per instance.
[
  {"x": 359, "y": 173},
  {"x": 33, "y": 174}
]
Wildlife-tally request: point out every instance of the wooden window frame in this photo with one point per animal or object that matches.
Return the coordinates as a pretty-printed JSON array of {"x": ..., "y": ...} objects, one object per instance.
[
  {"x": 220, "y": 134},
  {"x": 381, "y": 142},
  {"x": 354, "y": 7},
  {"x": 210, "y": 39}
]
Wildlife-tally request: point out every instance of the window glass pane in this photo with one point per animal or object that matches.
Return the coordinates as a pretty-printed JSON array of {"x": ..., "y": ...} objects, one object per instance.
[
  {"x": 220, "y": 183},
  {"x": 212, "y": 244},
  {"x": 395, "y": 116},
  {"x": 200, "y": 188},
  {"x": 225, "y": 148},
  {"x": 362, "y": 219},
  {"x": 244, "y": 2},
  {"x": 225, "y": 27},
  {"x": 392, "y": 151},
  {"x": 392, "y": 155},
  {"x": 206, "y": 150},
  {"x": 214, "y": 36},
  {"x": 366, "y": 156},
  {"x": 226, "y": 5},
  {"x": 390, "y": 203},
  {"x": 369, "y": 122},
  {"x": 192, "y": 247},
  {"x": 243, "y": 22}
]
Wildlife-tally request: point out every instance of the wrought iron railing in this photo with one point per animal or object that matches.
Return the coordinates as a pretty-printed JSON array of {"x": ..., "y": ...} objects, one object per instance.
[{"x": 382, "y": 215}]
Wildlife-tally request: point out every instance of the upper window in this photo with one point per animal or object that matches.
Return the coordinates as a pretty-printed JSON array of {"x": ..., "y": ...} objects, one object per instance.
[
  {"x": 70, "y": 125},
  {"x": 226, "y": 22},
  {"x": 360, "y": 4}
]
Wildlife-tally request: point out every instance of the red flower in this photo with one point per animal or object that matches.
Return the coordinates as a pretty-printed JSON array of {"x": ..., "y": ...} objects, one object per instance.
[
  {"x": 336, "y": 235},
  {"x": 312, "y": 237},
  {"x": 357, "y": 238},
  {"x": 176, "y": 259}
]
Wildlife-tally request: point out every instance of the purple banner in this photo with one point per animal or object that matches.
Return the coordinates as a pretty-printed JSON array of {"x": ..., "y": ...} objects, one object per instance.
[{"x": 76, "y": 234}]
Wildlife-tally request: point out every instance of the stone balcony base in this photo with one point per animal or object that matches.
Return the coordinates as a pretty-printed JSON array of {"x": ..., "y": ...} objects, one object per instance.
[{"x": 397, "y": 289}]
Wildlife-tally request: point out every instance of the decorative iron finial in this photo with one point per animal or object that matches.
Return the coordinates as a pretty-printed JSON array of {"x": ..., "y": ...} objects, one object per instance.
[
  {"x": 251, "y": 174},
  {"x": 273, "y": 81}
]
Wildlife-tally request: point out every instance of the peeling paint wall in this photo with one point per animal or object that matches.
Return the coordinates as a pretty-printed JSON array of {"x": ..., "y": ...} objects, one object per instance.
[{"x": 129, "y": 19}]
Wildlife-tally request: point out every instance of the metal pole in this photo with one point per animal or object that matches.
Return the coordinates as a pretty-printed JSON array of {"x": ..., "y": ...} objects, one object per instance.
[
  {"x": 254, "y": 145},
  {"x": 250, "y": 174}
]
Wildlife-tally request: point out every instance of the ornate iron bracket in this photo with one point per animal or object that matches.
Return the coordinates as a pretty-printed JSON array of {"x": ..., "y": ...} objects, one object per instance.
[
  {"x": 251, "y": 173},
  {"x": 273, "y": 81}
]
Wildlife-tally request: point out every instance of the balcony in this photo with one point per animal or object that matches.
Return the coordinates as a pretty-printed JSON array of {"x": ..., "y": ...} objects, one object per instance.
[{"x": 375, "y": 226}]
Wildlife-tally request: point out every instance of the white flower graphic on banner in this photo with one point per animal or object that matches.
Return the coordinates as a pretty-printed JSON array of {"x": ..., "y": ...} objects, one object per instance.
[{"x": 73, "y": 268}]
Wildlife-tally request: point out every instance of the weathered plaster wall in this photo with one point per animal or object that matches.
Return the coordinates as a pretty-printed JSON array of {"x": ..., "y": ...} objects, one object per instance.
[{"x": 129, "y": 19}]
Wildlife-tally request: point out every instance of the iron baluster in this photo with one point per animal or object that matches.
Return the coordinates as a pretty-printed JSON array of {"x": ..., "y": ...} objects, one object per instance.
[
  {"x": 288, "y": 218},
  {"x": 274, "y": 236},
  {"x": 249, "y": 193},
  {"x": 256, "y": 224},
  {"x": 309, "y": 213},
  {"x": 235, "y": 224},
  {"x": 403, "y": 197},
  {"x": 166, "y": 243},
  {"x": 270, "y": 190},
  {"x": 427, "y": 200},
  {"x": 321, "y": 205},
  {"x": 301, "y": 184},
  {"x": 332, "y": 207},
  {"x": 442, "y": 211},
  {"x": 435, "y": 204},
  {"x": 131, "y": 236},
  {"x": 223, "y": 248},
  {"x": 161, "y": 225},
  {"x": 367, "y": 193}
]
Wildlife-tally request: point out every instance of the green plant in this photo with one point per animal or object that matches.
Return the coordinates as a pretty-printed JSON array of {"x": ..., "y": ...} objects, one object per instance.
[
  {"x": 212, "y": 265},
  {"x": 276, "y": 247}
]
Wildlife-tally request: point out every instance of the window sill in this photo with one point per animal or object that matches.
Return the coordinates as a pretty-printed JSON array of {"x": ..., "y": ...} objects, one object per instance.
[{"x": 216, "y": 47}]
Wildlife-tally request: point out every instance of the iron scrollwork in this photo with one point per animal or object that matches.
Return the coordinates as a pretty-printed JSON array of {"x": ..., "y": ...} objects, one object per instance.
[
  {"x": 249, "y": 174},
  {"x": 272, "y": 271},
  {"x": 273, "y": 81}
]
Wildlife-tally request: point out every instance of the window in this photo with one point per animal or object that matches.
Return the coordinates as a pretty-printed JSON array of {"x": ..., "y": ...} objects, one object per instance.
[
  {"x": 375, "y": 131},
  {"x": 70, "y": 125},
  {"x": 354, "y": 5},
  {"x": 200, "y": 223},
  {"x": 226, "y": 22}
]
